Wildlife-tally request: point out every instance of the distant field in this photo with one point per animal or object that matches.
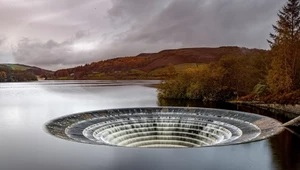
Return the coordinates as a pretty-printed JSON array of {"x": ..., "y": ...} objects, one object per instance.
[
  {"x": 178, "y": 68},
  {"x": 17, "y": 67}
]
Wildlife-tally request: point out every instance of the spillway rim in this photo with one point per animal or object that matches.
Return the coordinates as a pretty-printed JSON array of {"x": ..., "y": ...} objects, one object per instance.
[{"x": 275, "y": 129}]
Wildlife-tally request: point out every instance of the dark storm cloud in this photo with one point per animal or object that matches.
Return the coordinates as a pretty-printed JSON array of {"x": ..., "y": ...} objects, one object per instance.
[
  {"x": 114, "y": 28},
  {"x": 203, "y": 22}
]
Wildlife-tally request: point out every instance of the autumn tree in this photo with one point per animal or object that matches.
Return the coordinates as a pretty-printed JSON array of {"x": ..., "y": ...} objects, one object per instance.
[
  {"x": 3, "y": 76},
  {"x": 61, "y": 73},
  {"x": 226, "y": 79},
  {"x": 284, "y": 74},
  {"x": 171, "y": 70}
]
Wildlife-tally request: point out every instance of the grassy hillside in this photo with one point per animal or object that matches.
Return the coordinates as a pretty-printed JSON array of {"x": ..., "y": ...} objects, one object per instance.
[
  {"x": 159, "y": 65},
  {"x": 18, "y": 67},
  {"x": 20, "y": 73}
]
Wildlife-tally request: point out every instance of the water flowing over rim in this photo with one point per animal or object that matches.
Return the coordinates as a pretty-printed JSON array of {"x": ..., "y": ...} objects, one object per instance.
[{"x": 167, "y": 127}]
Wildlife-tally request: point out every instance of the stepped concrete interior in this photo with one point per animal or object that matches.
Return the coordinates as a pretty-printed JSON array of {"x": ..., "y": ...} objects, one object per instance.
[{"x": 164, "y": 127}]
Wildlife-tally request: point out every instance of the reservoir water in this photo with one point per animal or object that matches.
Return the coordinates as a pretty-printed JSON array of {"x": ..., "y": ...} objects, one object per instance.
[{"x": 24, "y": 144}]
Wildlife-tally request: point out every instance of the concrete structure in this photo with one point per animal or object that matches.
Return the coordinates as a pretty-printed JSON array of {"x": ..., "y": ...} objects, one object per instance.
[
  {"x": 164, "y": 127},
  {"x": 293, "y": 123}
]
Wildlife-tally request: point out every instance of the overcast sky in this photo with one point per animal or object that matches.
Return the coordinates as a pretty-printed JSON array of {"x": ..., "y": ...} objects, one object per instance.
[{"x": 55, "y": 34}]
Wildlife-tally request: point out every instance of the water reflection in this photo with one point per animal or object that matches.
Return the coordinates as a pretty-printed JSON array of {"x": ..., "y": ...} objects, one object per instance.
[
  {"x": 285, "y": 148},
  {"x": 25, "y": 107}
]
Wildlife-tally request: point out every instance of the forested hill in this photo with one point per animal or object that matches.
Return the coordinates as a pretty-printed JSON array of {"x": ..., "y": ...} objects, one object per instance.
[
  {"x": 152, "y": 65},
  {"x": 21, "y": 73}
]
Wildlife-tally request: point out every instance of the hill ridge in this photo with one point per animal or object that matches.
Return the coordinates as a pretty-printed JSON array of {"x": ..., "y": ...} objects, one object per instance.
[{"x": 144, "y": 63}]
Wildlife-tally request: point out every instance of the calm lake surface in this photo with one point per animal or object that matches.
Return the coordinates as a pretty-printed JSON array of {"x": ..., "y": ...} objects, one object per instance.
[{"x": 24, "y": 145}]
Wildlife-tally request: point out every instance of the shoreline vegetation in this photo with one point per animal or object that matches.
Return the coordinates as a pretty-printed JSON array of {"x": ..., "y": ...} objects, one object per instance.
[{"x": 269, "y": 79}]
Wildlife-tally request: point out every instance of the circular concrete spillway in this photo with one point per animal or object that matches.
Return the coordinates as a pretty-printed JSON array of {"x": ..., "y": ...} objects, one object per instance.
[{"x": 164, "y": 127}]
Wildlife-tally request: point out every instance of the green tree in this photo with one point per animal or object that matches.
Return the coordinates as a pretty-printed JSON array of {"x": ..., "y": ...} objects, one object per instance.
[{"x": 284, "y": 74}]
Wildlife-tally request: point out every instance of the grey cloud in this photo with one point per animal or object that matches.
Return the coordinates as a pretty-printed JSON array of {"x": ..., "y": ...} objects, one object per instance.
[
  {"x": 81, "y": 34},
  {"x": 57, "y": 55},
  {"x": 51, "y": 54},
  {"x": 2, "y": 41},
  {"x": 135, "y": 10},
  {"x": 5, "y": 54},
  {"x": 48, "y": 19},
  {"x": 206, "y": 23},
  {"x": 130, "y": 27}
]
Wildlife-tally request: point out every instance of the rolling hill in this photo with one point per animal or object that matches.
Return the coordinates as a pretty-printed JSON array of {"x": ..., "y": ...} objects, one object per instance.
[
  {"x": 20, "y": 73},
  {"x": 152, "y": 65}
]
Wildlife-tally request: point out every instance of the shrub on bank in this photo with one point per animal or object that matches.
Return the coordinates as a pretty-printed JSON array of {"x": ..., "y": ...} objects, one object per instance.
[{"x": 226, "y": 79}]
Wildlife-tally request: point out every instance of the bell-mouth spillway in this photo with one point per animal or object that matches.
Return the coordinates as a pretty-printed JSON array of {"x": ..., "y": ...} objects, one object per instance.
[{"x": 167, "y": 127}]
